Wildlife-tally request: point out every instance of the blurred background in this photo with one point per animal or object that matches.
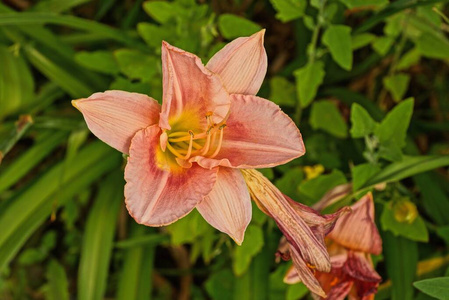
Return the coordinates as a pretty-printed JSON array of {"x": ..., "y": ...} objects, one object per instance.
[{"x": 366, "y": 81}]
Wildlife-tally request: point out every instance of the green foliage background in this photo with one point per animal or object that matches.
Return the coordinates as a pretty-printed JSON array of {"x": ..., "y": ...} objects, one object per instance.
[{"x": 366, "y": 81}]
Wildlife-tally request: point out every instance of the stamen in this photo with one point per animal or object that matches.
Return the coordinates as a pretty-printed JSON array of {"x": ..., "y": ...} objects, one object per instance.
[
  {"x": 207, "y": 144},
  {"x": 189, "y": 151},
  {"x": 174, "y": 151},
  {"x": 187, "y": 138},
  {"x": 178, "y": 133},
  {"x": 220, "y": 141}
]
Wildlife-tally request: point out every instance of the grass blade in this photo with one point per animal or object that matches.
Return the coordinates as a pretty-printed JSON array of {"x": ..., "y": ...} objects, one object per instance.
[
  {"x": 28, "y": 210},
  {"x": 28, "y": 160},
  {"x": 98, "y": 239},
  {"x": 135, "y": 280},
  {"x": 58, "y": 286}
]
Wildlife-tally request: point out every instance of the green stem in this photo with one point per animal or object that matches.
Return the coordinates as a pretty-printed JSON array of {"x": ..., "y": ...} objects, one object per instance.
[
  {"x": 316, "y": 32},
  {"x": 22, "y": 125}
]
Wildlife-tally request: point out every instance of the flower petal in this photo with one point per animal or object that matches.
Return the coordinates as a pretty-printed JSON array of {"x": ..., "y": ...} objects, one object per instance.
[
  {"x": 333, "y": 195},
  {"x": 357, "y": 230},
  {"x": 242, "y": 64},
  {"x": 228, "y": 206},
  {"x": 257, "y": 135},
  {"x": 298, "y": 234},
  {"x": 115, "y": 116},
  {"x": 305, "y": 275},
  {"x": 320, "y": 224},
  {"x": 189, "y": 86},
  {"x": 360, "y": 267},
  {"x": 155, "y": 195}
]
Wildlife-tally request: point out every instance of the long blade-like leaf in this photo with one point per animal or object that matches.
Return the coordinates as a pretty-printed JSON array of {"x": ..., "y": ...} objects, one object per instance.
[{"x": 98, "y": 239}]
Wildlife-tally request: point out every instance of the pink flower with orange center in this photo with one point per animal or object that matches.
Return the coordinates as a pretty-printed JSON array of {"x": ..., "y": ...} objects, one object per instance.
[
  {"x": 187, "y": 152},
  {"x": 350, "y": 244}
]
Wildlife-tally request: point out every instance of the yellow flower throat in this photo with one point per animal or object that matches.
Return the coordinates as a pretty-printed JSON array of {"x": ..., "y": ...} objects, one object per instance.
[{"x": 184, "y": 144}]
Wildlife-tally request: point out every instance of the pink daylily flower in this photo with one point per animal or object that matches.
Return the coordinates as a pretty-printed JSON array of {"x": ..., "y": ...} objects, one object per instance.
[
  {"x": 187, "y": 153},
  {"x": 304, "y": 229},
  {"x": 353, "y": 239}
]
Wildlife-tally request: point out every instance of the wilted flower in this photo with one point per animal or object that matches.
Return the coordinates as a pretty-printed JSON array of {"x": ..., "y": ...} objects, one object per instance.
[
  {"x": 350, "y": 244},
  {"x": 304, "y": 229},
  {"x": 187, "y": 152}
]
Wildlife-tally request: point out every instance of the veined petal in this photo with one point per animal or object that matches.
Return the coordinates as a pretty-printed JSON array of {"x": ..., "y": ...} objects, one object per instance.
[
  {"x": 242, "y": 64},
  {"x": 336, "y": 288},
  {"x": 298, "y": 234},
  {"x": 366, "y": 280},
  {"x": 333, "y": 195},
  {"x": 257, "y": 135},
  {"x": 189, "y": 86},
  {"x": 228, "y": 206},
  {"x": 155, "y": 195},
  {"x": 357, "y": 230},
  {"x": 115, "y": 116},
  {"x": 320, "y": 224},
  {"x": 360, "y": 267},
  {"x": 305, "y": 275}
]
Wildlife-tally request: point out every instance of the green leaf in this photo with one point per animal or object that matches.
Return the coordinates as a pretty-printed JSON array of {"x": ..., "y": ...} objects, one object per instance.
[
  {"x": 243, "y": 254},
  {"x": 409, "y": 166},
  {"x": 101, "y": 61},
  {"x": 136, "y": 275},
  {"x": 362, "y": 123},
  {"x": 16, "y": 132},
  {"x": 409, "y": 59},
  {"x": 35, "y": 203},
  {"x": 362, "y": 40},
  {"x": 282, "y": 91},
  {"x": 392, "y": 131},
  {"x": 397, "y": 85},
  {"x": 58, "y": 286},
  {"x": 312, "y": 190},
  {"x": 358, "y": 3},
  {"x": 98, "y": 239},
  {"x": 188, "y": 229},
  {"x": 308, "y": 79},
  {"x": 161, "y": 11},
  {"x": 443, "y": 232},
  {"x": 220, "y": 285},
  {"x": 135, "y": 64},
  {"x": 435, "y": 287},
  {"x": 56, "y": 73},
  {"x": 433, "y": 46},
  {"x": 296, "y": 291},
  {"x": 434, "y": 198},
  {"x": 383, "y": 44},
  {"x": 57, "y": 6},
  {"x": 289, "y": 182},
  {"x": 128, "y": 85},
  {"x": 338, "y": 39},
  {"x": 153, "y": 34},
  {"x": 326, "y": 116},
  {"x": 401, "y": 257},
  {"x": 361, "y": 174},
  {"x": 415, "y": 231},
  {"x": 288, "y": 10},
  {"x": 16, "y": 82},
  {"x": 33, "y": 18},
  {"x": 232, "y": 26}
]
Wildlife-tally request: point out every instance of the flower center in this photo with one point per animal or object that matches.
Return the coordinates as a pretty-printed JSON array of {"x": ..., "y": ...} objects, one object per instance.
[{"x": 184, "y": 144}]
